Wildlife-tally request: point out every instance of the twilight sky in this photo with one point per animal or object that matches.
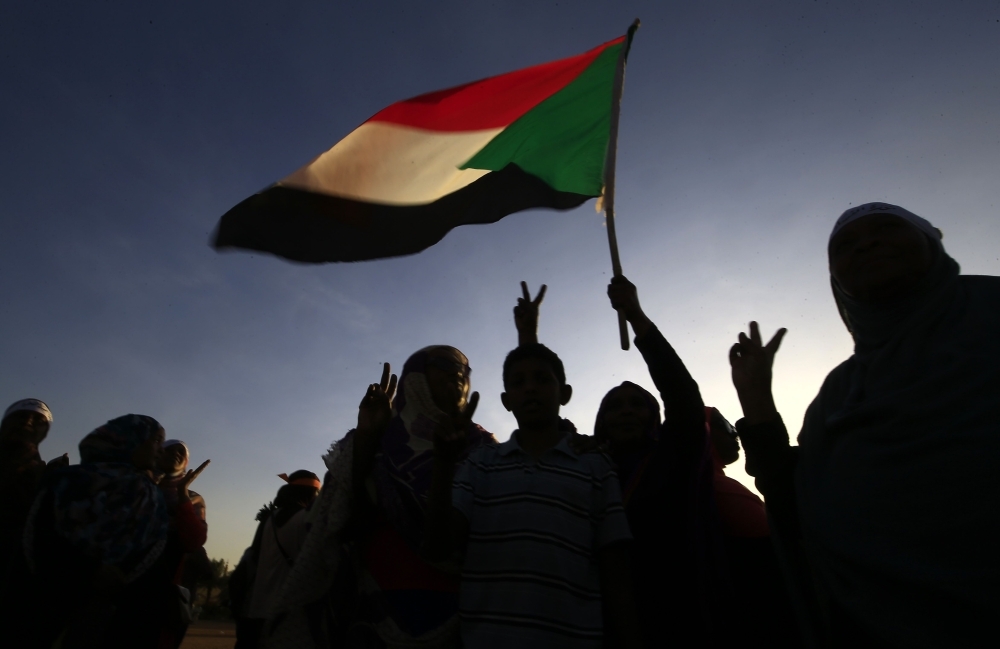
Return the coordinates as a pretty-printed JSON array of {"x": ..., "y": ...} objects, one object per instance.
[{"x": 127, "y": 129}]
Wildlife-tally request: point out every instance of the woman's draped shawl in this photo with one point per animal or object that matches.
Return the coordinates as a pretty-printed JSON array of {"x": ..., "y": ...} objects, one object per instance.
[
  {"x": 105, "y": 507},
  {"x": 401, "y": 476},
  {"x": 898, "y": 486}
]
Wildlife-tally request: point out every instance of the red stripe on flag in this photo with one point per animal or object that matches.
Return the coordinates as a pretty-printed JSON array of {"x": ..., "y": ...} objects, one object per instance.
[{"x": 494, "y": 102}]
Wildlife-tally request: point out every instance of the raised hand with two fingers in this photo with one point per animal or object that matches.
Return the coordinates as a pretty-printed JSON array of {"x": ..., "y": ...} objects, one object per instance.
[
  {"x": 375, "y": 409},
  {"x": 752, "y": 362},
  {"x": 526, "y": 315}
]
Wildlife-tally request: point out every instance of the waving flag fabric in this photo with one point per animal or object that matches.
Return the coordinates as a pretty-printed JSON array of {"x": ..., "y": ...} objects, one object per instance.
[{"x": 475, "y": 153}]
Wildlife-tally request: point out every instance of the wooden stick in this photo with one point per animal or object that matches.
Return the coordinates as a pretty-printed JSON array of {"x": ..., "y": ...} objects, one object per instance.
[{"x": 609, "y": 170}]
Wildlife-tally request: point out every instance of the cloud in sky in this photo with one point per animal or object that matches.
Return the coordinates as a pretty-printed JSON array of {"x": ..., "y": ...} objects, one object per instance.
[{"x": 746, "y": 129}]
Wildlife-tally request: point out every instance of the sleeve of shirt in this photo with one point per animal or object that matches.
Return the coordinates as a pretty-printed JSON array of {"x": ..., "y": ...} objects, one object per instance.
[
  {"x": 612, "y": 525},
  {"x": 463, "y": 488}
]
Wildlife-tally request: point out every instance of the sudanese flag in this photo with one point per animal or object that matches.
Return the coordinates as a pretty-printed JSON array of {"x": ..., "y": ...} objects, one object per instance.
[{"x": 536, "y": 137}]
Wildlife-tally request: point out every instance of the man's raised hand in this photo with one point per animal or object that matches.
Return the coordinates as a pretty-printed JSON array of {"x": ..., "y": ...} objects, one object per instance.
[
  {"x": 375, "y": 409},
  {"x": 450, "y": 433},
  {"x": 526, "y": 315}
]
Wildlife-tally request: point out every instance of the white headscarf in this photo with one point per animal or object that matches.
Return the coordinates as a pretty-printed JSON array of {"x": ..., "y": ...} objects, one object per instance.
[{"x": 32, "y": 405}]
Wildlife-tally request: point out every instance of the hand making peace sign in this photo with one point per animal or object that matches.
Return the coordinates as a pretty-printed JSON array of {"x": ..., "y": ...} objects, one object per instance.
[
  {"x": 526, "y": 315},
  {"x": 752, "y": 362},
  {"x": 375, "y": 409}
]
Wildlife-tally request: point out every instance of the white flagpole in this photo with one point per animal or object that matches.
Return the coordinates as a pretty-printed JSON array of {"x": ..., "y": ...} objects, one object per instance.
[{"x": 609, "y": 171}]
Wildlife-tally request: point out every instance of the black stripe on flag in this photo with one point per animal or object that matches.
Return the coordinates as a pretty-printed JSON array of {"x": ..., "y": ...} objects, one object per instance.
[{"x": 310, "y": 227}]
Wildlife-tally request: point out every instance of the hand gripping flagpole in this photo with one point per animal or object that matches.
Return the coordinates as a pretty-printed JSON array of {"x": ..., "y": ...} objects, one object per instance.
[{"x": 609, "y": 170}]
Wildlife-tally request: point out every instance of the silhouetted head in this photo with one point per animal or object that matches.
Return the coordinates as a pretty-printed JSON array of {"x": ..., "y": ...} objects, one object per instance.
[
  {"x": 131, "y": 439},
  {"x": 628, "y": 415},
  {"x": 299, "y": 493},
  {"x": 725, "y": 444},
  {"x": 27, "y": 420},
  {"x": 879, "y": 252},
  {"x": 534, "y": 382},
  {"x": 448, "y": 376},
  {"x": 174, "y": 458}
]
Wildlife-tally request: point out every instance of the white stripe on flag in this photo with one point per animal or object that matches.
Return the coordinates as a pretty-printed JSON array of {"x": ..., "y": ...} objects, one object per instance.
[{"x": 394, "y": 165}]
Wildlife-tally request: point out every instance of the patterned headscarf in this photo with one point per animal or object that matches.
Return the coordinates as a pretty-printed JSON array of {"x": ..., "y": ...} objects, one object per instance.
[
  {"x": 105, "y": 506},
  {"x": 403, "y": 474}
]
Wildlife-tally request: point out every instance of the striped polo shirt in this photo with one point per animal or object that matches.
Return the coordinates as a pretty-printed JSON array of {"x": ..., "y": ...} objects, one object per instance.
[{"x": 530, "y": 576}]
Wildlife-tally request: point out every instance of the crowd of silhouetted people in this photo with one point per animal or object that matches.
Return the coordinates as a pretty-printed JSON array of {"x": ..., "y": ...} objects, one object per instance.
[{"x": 877, "y": 530}]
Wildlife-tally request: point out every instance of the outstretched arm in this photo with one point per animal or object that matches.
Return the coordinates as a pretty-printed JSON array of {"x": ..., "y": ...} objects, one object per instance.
[
  {"x": 526, "y": 315},
  {"x": 679, "y": 391}
]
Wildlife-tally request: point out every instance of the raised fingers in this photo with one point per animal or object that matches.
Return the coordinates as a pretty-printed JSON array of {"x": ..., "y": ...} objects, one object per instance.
[
  {"x": 541, "y": 295},
  {"x": 384, "y": 382},
  {"x": 734, "y": 353},
  {"x": 775, "y": 342},
  {"x": 391, "y": 390},
  {"x": 755, "y": 333},
  {"x": 524, "y": 292}
]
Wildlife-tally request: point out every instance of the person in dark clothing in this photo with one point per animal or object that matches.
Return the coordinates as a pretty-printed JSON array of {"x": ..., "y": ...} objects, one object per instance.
[
  {"x": 103, "y": 549},
  {"x": 172, "y": 466},
  {"x": 703, "y": 562},
  {"x": 678, "y": 558},
  {"x": 763, "y": 616},
  {"x": 885, "y": 513},
  {"x": 23, "y": 428}
]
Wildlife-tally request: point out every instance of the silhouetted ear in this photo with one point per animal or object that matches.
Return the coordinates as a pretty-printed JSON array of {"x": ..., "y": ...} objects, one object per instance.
[
  {"x": 565, "y": 394},
  {"x": 503, "y": 400}
]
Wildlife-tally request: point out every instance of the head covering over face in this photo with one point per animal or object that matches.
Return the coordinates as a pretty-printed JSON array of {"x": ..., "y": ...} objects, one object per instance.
[
  {"x": 33, "y": 405},
  {"x": 870, "y": 324},
  {"x": 402, "y": 474},
  {"x": 632, "y": 463},
  {"x": 868, "y": 209},
  {"x": 896, "y": 482},
  {"x": 107, "y": 508}
]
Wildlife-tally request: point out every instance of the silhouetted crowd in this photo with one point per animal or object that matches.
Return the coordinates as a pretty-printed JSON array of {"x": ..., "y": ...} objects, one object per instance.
[{"x": 876, "y": 530}]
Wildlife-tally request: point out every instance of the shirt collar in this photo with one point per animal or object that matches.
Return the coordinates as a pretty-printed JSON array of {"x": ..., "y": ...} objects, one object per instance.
[{"x": 511, "y": 446}]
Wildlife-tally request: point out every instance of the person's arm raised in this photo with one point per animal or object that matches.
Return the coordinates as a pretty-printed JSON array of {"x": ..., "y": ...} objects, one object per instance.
[
  {"x": 682, "y": 401},
  {"x": 446, "y": 527},
  {"x": 625, "y": 298},
  {"x": 752, "y": 364},
  {"x": 526, "y": 315},
  {"x": 374, "y": 415}
]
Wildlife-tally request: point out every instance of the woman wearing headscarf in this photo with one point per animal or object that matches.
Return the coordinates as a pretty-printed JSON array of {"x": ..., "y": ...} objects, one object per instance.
[
  {"x": 666, "y": 476},
  {"x": 101, "y": 544},
  {"x": 886, "y": 512},
  {"x": 195, "y": 565},
  {"x": 691, "y": 523},
  {"x": 372, "y": 506}
]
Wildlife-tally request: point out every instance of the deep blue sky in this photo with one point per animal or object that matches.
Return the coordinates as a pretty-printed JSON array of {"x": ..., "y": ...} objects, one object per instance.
[{"x": 128, "y": 128}]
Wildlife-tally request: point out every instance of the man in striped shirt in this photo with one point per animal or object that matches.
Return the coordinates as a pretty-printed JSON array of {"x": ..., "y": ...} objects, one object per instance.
[{"x": 542, "y": 526}]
